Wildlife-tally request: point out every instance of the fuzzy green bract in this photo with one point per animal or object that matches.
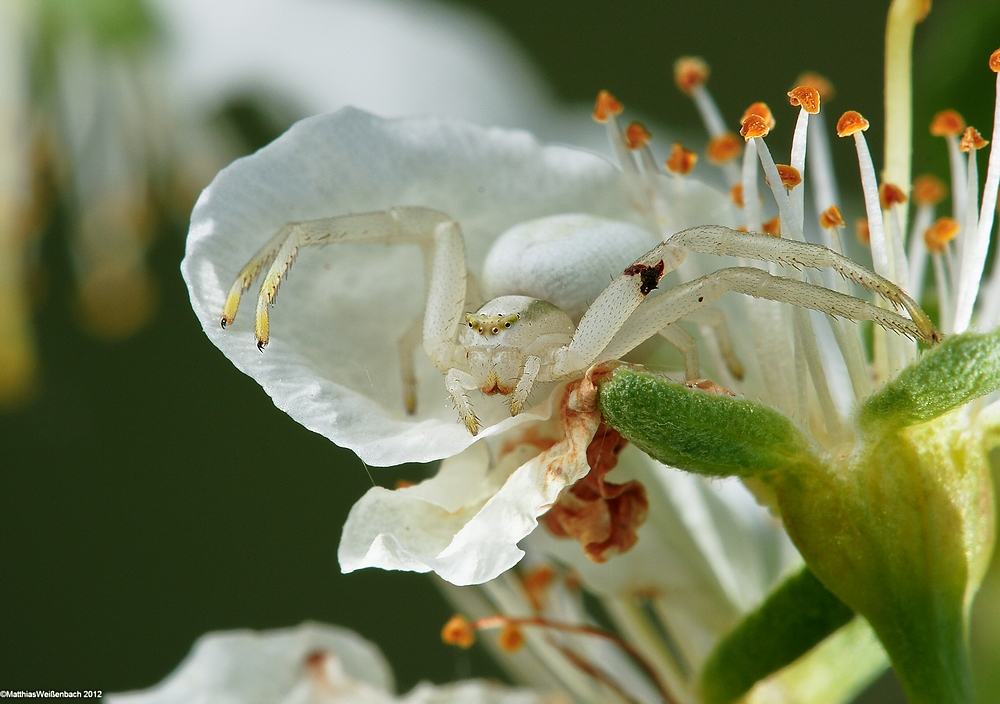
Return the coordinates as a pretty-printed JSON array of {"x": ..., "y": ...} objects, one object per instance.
[
  {"x": 900, "y": 530},
  {"x": 962, "y": 368},
  {"x": 710, "y": 434}
]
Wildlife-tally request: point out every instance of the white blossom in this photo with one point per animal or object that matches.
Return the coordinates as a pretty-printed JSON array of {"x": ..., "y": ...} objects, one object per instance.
[{"x": 309, "y": 664}]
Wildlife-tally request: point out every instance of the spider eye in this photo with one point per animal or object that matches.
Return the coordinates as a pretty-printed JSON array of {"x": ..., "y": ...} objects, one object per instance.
[
  {"x": 470, "y": 324},
  {"x": 506, "y": 325},
  {"x": 496, "y": 330}
]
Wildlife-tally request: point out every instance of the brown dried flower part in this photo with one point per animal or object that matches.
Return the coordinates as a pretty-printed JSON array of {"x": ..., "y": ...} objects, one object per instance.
[
  {"x": 689, "y": 73},
  {"x": 890, "y": 194},
  {"x": 772, "y": 227},
  {"x": 940, "y": 233},
  {"x": 458, "y": 631},
  {"x": 971, "y": 140},
  {"x": 536, "y": 585},
  {"x": 736, "y": 194},
  {"x": 790, "y": 176},
  {"x": 606, "y": 107},
  {"x": 603, "y": 517},
  {"x": 947, "y": 123},
  {"x": 995, "y": 61},
  {"x": 805, "y": 97},
  {"x": 761, "y": 110},
  {"x": 929, "y": 190},
  {"x": 862, "y": 231},
  {"x": 851, "y": 122},
  {"x": 820, "y": 83},
  {"x": 725, "y": 147},
  {"x": 511, "y": 638},
  {"x": 831, "y": 218},
  {"x": 637, "y": 136},
  {"x": 753, "y": 126},
  {"x": 681, "y": 160}
]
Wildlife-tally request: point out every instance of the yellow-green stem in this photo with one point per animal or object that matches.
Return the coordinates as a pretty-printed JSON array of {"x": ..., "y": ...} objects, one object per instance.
[{"x": 903, "y": 17}]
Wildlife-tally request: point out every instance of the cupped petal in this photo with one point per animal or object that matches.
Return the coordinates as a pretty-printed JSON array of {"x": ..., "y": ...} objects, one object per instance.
[
  {"x": 268, "y": 667},
  {"x": 459, "y": 524},
  {"x": 333, "y": 361}
]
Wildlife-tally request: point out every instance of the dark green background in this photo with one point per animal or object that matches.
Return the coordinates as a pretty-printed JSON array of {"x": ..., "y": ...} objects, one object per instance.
[{"x": 150, "y": 492}]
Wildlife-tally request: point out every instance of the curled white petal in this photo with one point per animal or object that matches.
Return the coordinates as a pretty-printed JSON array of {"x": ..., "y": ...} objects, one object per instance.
[
  {"x": 459, "y": 524},
  {"x": 332, "y": 363}
]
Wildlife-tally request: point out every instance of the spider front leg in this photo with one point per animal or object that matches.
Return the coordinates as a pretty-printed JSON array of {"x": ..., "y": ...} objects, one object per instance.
[
  {"x": 670, "y": 306},
  {"x": 716, "y": 239},
  {"x": 438, "y": 235}
]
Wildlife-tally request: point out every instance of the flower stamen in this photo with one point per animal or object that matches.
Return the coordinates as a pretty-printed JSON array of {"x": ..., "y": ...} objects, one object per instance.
[{"x": 507, "y": 622}]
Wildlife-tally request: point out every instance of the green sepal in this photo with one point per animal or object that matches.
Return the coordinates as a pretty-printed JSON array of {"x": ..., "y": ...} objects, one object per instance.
[
  {"x": 962, "y": 368},
  {"x": 797, "y": 616},
  {"x": 701, "y": 432}
]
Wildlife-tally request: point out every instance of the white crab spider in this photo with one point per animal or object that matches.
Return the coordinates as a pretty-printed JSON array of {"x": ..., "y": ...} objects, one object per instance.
[{"x": 515, "y": 340}]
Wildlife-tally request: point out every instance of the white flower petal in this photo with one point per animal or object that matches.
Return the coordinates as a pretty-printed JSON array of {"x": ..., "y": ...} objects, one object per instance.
[
  {"x": 390, "y": 57},
  {"x": 268, "y": 667},
  {"x": 332, "y": 363},
  {"x": 421, "y": 529},
  {"x": 309, "y": 664}
]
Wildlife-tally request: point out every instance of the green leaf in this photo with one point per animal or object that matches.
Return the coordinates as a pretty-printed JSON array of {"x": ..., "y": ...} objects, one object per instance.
[
  {"x": 960, "y": 369},
  {"x": 797, "y": 615},
  {"x": 698, "y": 431}
]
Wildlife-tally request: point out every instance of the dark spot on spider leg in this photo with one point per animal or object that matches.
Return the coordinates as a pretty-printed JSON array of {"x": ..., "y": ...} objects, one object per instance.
[{"x": 649, "y": 276}]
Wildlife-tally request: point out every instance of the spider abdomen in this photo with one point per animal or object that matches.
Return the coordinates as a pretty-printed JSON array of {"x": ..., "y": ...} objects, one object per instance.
[{"x": 566, "y": 260}]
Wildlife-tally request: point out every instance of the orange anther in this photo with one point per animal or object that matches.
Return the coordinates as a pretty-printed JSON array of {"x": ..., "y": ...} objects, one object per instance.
[
  {"x": 681, "y": 160},
  {"x": 458, "y": 631},
  {"x": 862, "y": 231},
  {"x": 689, "y": 73},
  {"x": 890, "y": 195},
  {"x": 773, "y": 226},
  {"x": 790, "y": 176},
  {"x": 761, "y": 110},
  {"x": 831, "y": 218},
  {"x": 607, "y": 107},
  {"x": 753, "y": 126},
  {"x": 971, "y": 140},
  {"x": 736, "y": 194},
  {"x": 742, "y": 228},
  {"x": 929, "y": 190},
  {"x": 511, "y": 638},
  {"x": 723, "y": 148},
  {"x": 536, "y": 582},
  {"x": 995, "y": 61},
  {"x": 404, "y": 483},
  {"x": 637, "y": 136},
  {"x": 939, "y": 234},
  {"x": 805, "y": 97},
  {"x": 947, "y": 123},
  {"x": 851, "y": 122},
  {"x": 820, "y": 83}
]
